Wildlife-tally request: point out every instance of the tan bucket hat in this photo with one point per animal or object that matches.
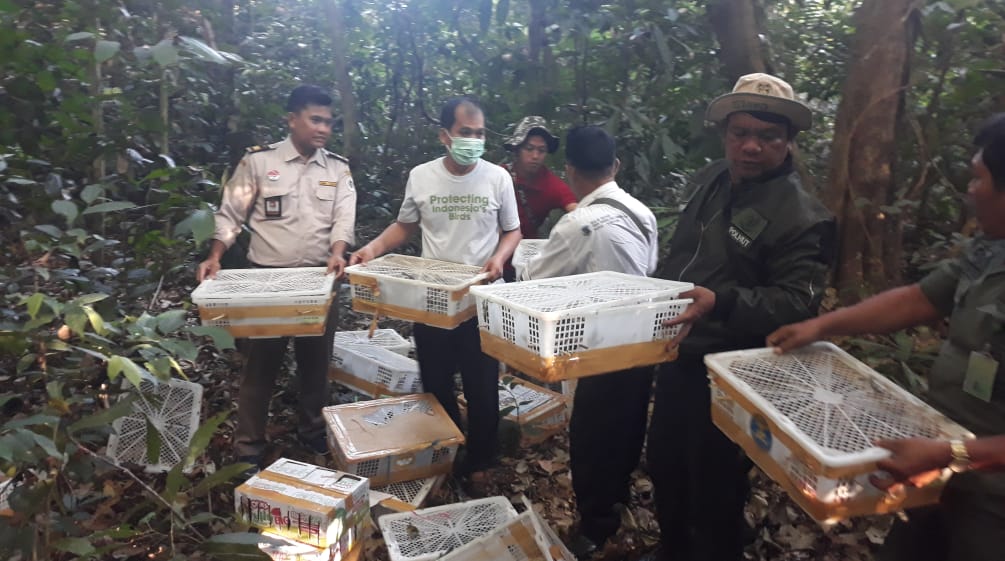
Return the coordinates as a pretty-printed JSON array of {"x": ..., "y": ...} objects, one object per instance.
[
  {"x": 761, "y": 92},
  {"x": 527, "y": 125}
]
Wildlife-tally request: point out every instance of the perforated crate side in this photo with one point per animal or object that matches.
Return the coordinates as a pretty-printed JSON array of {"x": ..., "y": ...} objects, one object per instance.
[
  {"x": 390, "y": 371},
  {"x": 569, "y": 332},
  {"x": 525, "y": 538},
  {"x": 413, "y": 492},
  {"x": 427, "y": 534},
  {"x": 173, "y": 408},
  {"x": 385, "y": 338}
]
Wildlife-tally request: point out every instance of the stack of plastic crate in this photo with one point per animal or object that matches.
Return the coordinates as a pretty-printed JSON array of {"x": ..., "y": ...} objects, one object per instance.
[
  {"x": 375, "y": 366},
  {"x": 580, "y": 325},
  {"x": 810, "y": 419}
]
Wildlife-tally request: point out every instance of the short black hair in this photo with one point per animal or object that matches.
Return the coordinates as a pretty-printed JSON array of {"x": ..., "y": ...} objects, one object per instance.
[
  {"x": 448, "y": 114},
  {"x": 990, "y": 138},
  {"x": 590, "y": 149},
  {"x": 305, "y": 95},
  {"x": 767, "y": 117}
]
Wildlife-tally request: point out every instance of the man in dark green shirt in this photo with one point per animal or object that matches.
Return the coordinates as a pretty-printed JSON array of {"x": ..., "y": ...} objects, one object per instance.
[{"x": 967, "y": 381}]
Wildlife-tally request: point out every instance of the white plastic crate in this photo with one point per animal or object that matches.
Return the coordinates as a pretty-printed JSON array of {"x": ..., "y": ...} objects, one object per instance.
[
  {"x": 266, "y": 302},
  {"x": 525, "y": 251},
  {"x": 525, "y": 538},
  {"x": 415, "y": 289},
  {"x": 409, "y": 495},
  {"x": 374, "y": 371},
  {"x": 393, "y": 439},
  {"x": 809, "y": 419},
  {"x": 385, "y": 338},
  {"x": 579, "y": 325},
  {"x": 173, "y": 409},
  {"x": 429, "y": 533},
  {"x": 539, "y": 412}
]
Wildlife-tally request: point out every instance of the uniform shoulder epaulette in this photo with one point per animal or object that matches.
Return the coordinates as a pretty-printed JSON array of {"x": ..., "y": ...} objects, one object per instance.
[
  {"x": 331, "y": 154},
  {"x": 258, "y": 148}
]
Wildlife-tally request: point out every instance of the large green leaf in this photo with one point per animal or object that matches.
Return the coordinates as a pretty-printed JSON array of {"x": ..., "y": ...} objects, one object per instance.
[
  {"x": 122, "y": 407},
  {"x": 91, "y": 193},
  {"x": 222, "y": 339},
  {"x": 76, "y": 546},
  {"x": 202, "y": 50},
  {"x": 78, "y": 36},
  {"x": 165, "y": 53},
  {"x": 154, "y": 443},
  {"x": 125, "y": 366},
  {"x": 235, "y": 547},
  {"x": 66, "y": 209},
  {"x": 200, "y": 440},
  {"x": 34, "y": 303},
  {"x": 110, "y": 206},
  {"x": 104, "y": 50},
  {"x": 219, "y": 476},
  {"x": 170, "y": 321},
  {"x": 200, "y": 223}
]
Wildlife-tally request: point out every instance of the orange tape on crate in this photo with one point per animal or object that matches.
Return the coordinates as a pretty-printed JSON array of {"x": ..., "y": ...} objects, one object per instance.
[
  {"x": 411, "y": 314},
  {"x": 579, "y": 365},
  {"x": 522, "y": 538},
  {"x": 257, "y": 312},
  {"x": 817, "y": 509},
  {"x": 277, "y": 330}
]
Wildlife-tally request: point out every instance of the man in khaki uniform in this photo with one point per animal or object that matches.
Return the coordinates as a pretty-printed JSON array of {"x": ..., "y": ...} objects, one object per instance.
[{"x": 299, "y": 201}]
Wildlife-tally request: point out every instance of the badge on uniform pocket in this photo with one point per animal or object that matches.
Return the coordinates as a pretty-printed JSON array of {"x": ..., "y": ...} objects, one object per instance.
[
  {"x": 982, "y": 369},
  {"x": 273, "y": 207}
]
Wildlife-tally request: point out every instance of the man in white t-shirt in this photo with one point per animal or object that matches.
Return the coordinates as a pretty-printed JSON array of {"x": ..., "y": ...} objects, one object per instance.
[
  {"x": 610, "y": 230},
  {"x": 467, "y": 213}
]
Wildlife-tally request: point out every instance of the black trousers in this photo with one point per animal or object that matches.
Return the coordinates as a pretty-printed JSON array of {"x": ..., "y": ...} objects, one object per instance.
[
  {"x": 441, "y": 353},
  {"x": 263, "y": 360},
  {"x": 700, "y": 477},
  {"x": 606, "y": 433}
]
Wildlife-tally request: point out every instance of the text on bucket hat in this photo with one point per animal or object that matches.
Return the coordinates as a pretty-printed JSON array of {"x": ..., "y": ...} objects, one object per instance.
[{"x": 764, "y": 93}]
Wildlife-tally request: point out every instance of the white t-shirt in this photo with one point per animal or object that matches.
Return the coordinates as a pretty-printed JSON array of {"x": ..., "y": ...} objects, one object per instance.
[
  {"x": 461, "y": 215},
  {"x": 598, "y": 237}
]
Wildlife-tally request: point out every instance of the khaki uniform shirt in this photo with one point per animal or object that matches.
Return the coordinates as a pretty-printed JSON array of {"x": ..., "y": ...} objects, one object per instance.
[
  {"x": 296, "y": 210},
  {"x": 971, "y": 292}
]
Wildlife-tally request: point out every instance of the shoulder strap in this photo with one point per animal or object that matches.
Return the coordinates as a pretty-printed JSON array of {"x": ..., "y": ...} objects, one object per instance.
[
  {"x": 621, "y": 206},
  {"x": 258, "y": 148}
]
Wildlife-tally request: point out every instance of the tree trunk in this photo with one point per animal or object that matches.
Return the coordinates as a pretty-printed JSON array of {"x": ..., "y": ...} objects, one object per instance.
[
  {"x": 340, "y": 61},
  {"x": 863, "y": 154},
  {"x": 735, "y": 24}
]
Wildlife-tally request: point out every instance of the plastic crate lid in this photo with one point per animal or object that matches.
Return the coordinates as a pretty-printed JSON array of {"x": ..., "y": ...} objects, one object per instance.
[
  {"x": 521, "y": 397},
  {"x": 385, "y": 338},
  {"x": 431, "y": 532},
  {"x": 173, "y": 409},
  {"x": 413, "y": 491},
  {"x": 265, "y": 283},
  {"x": 418, "y": 270},
  {"x": 832, "y": 404},
  {"x": 580, "y": 292},
  {"x": 381, "y": 356},
  {"x": 380, "y": 427}
]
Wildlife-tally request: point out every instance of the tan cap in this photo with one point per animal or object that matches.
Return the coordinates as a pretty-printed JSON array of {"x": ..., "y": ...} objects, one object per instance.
[
  {"x": 528, "y": 125},
  {"x": 761, "y": 92}
]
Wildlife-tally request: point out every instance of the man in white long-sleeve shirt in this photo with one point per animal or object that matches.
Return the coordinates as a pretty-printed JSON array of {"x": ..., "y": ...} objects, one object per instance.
[{"x": 610, "y": 230}]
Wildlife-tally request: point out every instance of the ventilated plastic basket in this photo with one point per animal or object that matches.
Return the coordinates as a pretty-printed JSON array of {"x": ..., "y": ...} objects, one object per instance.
[
  {"x": 525, "y": 538},
  {"x": 430, "y": 533},
  {"x": 525, "y": 251},
  {"x": 809, "y": 419},
  {"x": 385, "y": 338},
  {"x": 538, "y": 411},
  {"x": 393, "y": 439},
  {"x": 7, "y": 487},
  {"x": 374, "y": 371},
  {"x": 173, "y": 409},
  {"x": 409, "y": 495},
  {"x": 415, "y": 289},
  {"x": 579, "y": 325},
  {"x": 266, "y": 302}
]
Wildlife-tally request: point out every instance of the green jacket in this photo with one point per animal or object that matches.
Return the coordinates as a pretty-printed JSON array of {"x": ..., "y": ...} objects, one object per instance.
[{"x": 764, "y": 247}]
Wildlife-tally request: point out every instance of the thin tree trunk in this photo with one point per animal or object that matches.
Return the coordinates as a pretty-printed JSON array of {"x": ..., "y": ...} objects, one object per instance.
[
  {"x": 863, "y": 153},
  {"x": 735, "y": 24},
  {"x": 340, "y": 61}
]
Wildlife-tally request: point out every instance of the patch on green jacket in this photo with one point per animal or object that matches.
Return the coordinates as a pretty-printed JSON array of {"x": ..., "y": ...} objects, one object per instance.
[{"x": 746, "y": 226}]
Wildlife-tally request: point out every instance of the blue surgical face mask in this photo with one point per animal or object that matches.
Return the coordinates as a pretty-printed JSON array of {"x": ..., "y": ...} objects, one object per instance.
[{"x": 466, "y": 151}]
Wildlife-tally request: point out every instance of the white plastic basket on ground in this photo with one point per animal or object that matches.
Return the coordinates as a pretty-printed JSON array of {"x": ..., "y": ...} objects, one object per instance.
[
  {"x": 407, "y": 496},
  {"x": 393, "y": 439},
  {"x": 266, "y": 302},
  {"x": 415, "y": 289},
  {"x": 539, "y": 412},
  {"x": 809, "y": 419},
  {"x": 580, "y": 325},
  {"x": 374, "y": 371},
  {"x": 430, "y": 533},
  {"x": 172, "y": 409},
  {"x": 385, "y": 338},
  {"x": 524, "y": 252},
  {"x": 525, "y": 538}
]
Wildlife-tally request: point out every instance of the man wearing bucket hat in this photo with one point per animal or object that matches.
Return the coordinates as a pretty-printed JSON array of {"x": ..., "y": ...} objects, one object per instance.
[
  {"x": 538, "y": 190},
  {"x": 757, "y": 247}
]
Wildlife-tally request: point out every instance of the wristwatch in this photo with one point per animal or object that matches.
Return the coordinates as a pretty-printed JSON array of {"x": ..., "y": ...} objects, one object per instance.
[{"x": 961, "y": 458}]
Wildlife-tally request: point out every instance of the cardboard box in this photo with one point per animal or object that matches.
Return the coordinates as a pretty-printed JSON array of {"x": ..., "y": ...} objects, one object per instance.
[
  {"x": 302, "y": 502},
  {"x": 393, "y": 439},
  {"x": 348, "y": 548}
]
